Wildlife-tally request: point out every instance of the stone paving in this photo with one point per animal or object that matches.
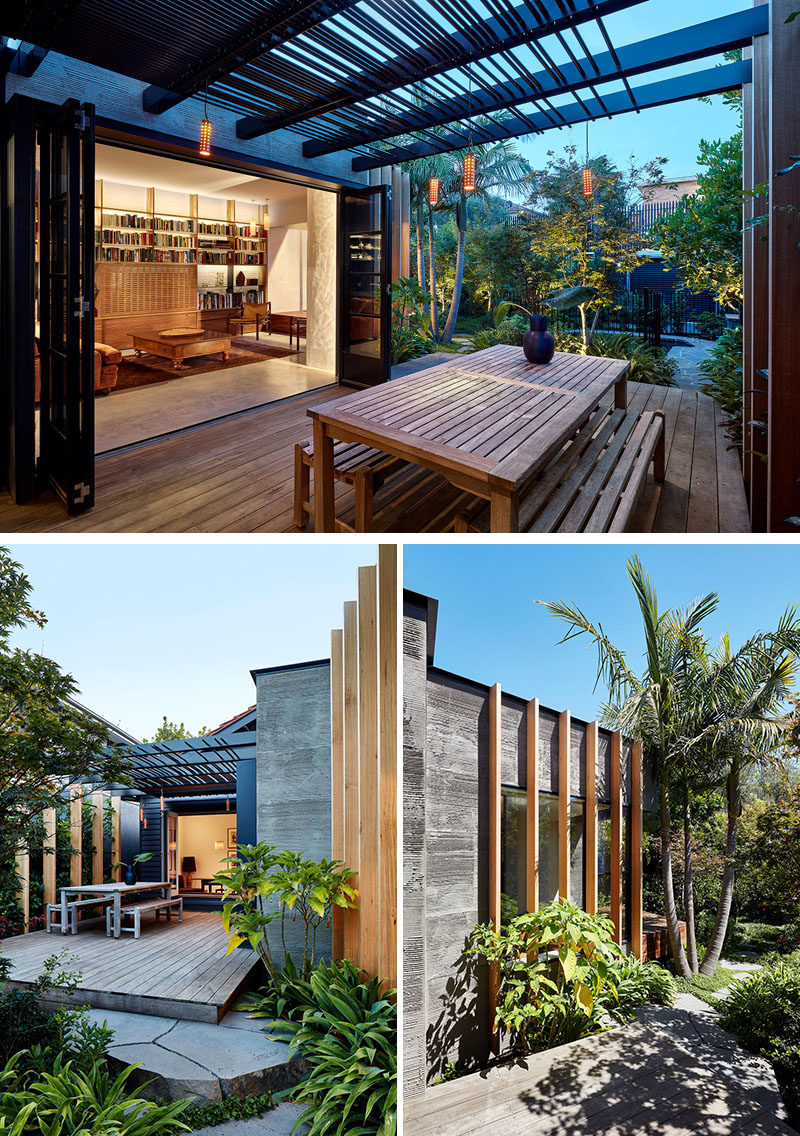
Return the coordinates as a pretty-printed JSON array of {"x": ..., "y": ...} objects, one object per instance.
[
  {"x": 197, "y": 1059},
  {"x": 689, "y": 355},
  {"x": 276, "y": 1123}
]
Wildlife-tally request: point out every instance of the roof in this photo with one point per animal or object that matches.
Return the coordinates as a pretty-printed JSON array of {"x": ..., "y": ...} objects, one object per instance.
[
  {"x": 388, "y": 80},
  {"x": 231, "y": 721}
]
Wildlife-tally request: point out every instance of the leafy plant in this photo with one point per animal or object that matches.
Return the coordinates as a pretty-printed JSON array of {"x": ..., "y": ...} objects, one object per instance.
[
  {"x": 511, "y": 330},
  {"x": 232, "y": 1108},
  {"x": 786, "y": 1063},
  {"x": 648, "y": 364},
  {"x": 561, "y": 974},
  {"x": 142, "y": 858},
  {"x": 722, "y": 379},
  {"x": 297, "y": 884},
  {"x": 411, "y": 321},
  {"x": 347, "y": 1029},
  {"x": 24, "y": 1023},
  {"x": 70, "y": 1102},
  {"x": 711, "y": 324}
]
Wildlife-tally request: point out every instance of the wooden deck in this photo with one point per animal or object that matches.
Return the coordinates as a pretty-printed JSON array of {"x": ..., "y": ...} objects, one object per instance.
[
  {"x": 630, "y": 1082},
  {"x": 237, "y": 476},
  {"x": 174, "y": 970}
]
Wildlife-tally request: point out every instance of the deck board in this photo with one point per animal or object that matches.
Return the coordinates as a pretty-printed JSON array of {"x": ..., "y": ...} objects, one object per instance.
[
  {"x": 237, "y": 476},
  {"x": 174, "y": 969},
  {"x": 629, "y": 1082}
]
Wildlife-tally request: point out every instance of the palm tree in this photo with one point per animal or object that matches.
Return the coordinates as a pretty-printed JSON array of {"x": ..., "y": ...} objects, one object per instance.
[
  {"x": 747, "y": 692},
  {"x": 499, "y": 167},
  {"x": 650, "y": 706}
]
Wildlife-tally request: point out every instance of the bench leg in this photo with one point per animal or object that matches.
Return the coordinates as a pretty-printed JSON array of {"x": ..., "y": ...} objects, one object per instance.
[
  {"x": 324, "y": 501},
  {"x": 302, "y": 487},
  {"x": 180, "y": 911},
  {"x": 504, "y": 512},
  {"x": 363, "y": 486},
  {"x": 660, "y": 452},
  {"x": 137, "y": 924},
  {"x": 621, "y": 393}
]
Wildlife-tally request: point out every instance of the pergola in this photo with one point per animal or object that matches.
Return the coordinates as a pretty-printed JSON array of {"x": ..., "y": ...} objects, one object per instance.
[
  {"x": 390, "y": 80},
  {"x": 188, "y": 766}
]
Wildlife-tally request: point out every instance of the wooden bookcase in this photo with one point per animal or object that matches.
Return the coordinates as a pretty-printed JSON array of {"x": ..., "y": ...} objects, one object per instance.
[{"x": 223, "y": 242}]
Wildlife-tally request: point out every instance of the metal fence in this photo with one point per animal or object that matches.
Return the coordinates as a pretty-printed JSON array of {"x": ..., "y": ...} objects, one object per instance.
[{"x": 647, "y": 314}]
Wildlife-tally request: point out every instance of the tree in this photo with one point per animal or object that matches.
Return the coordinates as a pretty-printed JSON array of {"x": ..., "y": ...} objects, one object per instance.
[
  {"x": 46, "y": 743},
  {"x": 703, "y": 237},
  {"x": 174, "y": 731},
  {"x": 587, "y": 238},
  {"x": 499, "y": 166},
  {"x": 649, "y": 705}
]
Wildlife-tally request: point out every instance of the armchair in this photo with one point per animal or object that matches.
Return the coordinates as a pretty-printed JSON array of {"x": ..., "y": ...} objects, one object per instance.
[{"x": 259, "y": 315}]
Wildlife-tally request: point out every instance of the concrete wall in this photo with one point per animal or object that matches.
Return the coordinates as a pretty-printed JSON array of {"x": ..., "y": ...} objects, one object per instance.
[
  {"x": 117, "y": 97},
  {"x": 322, "y": 282},
  {"x": 287, "y": 269},
  {"x": 445, "y": 840},
  {"x": 293, "y": 772}
]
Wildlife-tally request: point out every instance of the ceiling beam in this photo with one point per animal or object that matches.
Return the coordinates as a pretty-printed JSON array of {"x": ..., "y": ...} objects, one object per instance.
[
  {"x": 23, "y": 60},
  {"x": 259, "y": 37},
  {"x": 491, "y": 36},
  {"x": 698, "y": 84},
  {"x": 684, "y": 46}
]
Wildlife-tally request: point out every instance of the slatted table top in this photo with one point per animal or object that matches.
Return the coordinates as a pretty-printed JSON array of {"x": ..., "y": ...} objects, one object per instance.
[{"x": 490, "y": 419}]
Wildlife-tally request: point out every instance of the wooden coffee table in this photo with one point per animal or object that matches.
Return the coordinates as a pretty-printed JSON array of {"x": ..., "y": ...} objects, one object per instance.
[{"x": 178, "y": 348}]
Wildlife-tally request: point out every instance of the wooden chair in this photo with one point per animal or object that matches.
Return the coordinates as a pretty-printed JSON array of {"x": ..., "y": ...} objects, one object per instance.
[
  {"x": 259, "y": 315},
  {"x": 297, "y": 326},
  {"x": 360, "y": 466}
]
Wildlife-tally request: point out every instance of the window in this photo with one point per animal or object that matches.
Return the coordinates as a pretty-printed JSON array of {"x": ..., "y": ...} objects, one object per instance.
[{"x": 513, "y": 844}]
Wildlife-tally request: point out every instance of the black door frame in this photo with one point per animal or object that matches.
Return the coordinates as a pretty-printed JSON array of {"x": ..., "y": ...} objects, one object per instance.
[{"x": 384, "y": 364}]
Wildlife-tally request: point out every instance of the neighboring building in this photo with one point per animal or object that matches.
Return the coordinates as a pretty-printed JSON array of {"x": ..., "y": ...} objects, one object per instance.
[{"x": 451, "y": 727}]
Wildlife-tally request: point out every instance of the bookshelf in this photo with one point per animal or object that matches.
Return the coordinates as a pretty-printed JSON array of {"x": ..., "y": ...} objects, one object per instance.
[{"x": 225, "y": 240}]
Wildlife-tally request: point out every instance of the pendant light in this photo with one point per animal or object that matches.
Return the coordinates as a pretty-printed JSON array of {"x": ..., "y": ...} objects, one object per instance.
[
  {"x": 470, "y": 161},
  {"x": 205, "y": 129},
  {"x": 587, "y": 170},
  {"x": 433, "y": 191}
]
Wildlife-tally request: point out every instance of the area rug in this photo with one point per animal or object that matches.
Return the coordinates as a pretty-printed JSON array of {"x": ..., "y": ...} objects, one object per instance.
[{"x": 148, "y": 369}]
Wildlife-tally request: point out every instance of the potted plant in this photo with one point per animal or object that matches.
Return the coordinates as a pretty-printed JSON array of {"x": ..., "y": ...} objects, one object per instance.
[
  {"x": 130, "y": 869},
  {"x": 538, "y": 344}
]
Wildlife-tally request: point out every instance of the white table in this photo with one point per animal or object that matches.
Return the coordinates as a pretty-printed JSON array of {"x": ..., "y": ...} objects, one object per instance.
[{"x": 116, "y": 891}]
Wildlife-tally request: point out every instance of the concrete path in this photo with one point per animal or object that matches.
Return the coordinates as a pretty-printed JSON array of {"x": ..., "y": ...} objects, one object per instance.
[
  {"x": 196, "y": 1059},
  {"x": 689, "y": 355}
]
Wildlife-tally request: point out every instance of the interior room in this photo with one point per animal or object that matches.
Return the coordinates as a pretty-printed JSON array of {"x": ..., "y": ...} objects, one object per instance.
[
  {"x": 214, "y": 293},
  {"x": 204, "y": 842}
]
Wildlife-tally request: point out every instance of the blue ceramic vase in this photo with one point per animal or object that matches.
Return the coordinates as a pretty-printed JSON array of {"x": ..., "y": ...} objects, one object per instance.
[
  {"x": 538, "y": 344},
  {"x": 130, "y": 874}
]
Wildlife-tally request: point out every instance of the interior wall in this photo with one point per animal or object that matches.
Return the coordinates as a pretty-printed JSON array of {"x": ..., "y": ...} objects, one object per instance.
[
  {"x": 196, "y": 837},
  {"x": 287, "y": 275},
  {"x": 322, "y": 265}
]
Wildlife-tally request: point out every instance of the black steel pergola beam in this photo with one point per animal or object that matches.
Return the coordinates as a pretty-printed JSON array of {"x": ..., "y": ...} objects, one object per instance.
[
  {"x": 259, "y": 37},
  {"x": 470, "y": 44},
  {"x": 698, "y": 84},
  {"x": 684, "y": 46}
]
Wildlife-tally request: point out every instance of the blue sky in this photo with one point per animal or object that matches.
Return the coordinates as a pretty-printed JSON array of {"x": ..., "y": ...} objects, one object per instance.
[
  {"x": 673, "y": 131},
  {"x": 490, "y": 629},
  {"x": 152, "y": 629}
]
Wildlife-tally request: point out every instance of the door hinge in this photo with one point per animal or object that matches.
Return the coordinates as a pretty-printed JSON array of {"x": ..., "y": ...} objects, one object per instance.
[
  {"x": 82, "y": 306},
  {"x": 81, "y": 119}
]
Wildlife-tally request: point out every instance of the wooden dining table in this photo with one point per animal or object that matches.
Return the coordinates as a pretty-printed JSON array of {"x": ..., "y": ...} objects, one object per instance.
[
  {"x": 486, "y": 422},
  {"x": 116, "y": 891}
]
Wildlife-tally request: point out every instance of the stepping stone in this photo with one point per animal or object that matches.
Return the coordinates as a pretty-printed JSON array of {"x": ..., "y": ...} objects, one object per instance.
[
  {"x": 276, "y": 1123},
  {"x": 131, "y": 1028}
]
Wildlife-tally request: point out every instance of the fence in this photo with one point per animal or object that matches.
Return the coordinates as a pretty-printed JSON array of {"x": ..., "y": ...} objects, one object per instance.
[
  {"x": 78, "y": 794},
  {"x": 364, "y": 764},
  {"x": 648, "y": 314},
  {"x": 562, "y": 759}
]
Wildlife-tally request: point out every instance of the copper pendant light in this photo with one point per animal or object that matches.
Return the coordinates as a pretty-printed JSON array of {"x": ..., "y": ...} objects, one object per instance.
[
  {"x": 205, "y": 130},
  {"x": 433, "y": 191}
]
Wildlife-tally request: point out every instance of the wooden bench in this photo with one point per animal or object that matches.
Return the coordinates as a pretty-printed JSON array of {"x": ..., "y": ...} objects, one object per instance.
[
  {"x": 354, "y": 464},
  {"x": 594, "y": 483},
  {"x": 135, "y": 911},
  {"x": 53, "y": 909}
]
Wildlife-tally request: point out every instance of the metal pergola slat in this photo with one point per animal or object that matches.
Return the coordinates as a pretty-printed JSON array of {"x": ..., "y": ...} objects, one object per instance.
[{"x": 389, "y": 80}]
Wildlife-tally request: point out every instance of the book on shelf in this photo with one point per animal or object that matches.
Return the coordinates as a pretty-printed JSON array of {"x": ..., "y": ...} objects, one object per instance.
[{"x": 217, "y": 301}]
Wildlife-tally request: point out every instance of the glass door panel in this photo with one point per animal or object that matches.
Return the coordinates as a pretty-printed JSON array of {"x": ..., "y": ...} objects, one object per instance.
[{"x": 365, "y": 302}]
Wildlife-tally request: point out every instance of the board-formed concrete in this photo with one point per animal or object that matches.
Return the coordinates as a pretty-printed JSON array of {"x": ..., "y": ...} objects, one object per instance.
[
  {"x": 446, "y": 833},
  {"x": 293, "y": 773}
]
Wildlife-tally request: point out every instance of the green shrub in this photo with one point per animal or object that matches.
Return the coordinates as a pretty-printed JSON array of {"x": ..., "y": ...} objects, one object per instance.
[
  {"x": 411, "y": 321},
  {"x": 233, "y": 1108},
  {"x": 511, "y": 330},
  {"x": 722, "y": 379},
  {"x": 346, "y": 1029},
  {"x": 24, "y": 1024},
  {"x": 649, "y": 365},
  {"x": 786, "y": 1063},
  {"x": 70, "y": 1102},
  {"x": 711, "y": 324},
  {"x": 561, "y": 975},
  {"x": 765, "y": 1007}
]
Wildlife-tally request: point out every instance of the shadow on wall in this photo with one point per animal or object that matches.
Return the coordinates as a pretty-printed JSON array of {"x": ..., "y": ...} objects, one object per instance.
[{"x": 456, "y": 1036}]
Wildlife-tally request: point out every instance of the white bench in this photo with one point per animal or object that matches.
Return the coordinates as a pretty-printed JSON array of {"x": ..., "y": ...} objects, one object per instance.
[
  {"x": 135, "y": 910},
  {"x": 53, "y": 909}
]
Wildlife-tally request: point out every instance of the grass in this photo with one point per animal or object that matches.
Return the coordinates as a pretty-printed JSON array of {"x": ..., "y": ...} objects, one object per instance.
[
  {"x": 233, "y": 1108},
  {"x": 747, "y": 939},
  {"x": 704, "y": 987}
]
